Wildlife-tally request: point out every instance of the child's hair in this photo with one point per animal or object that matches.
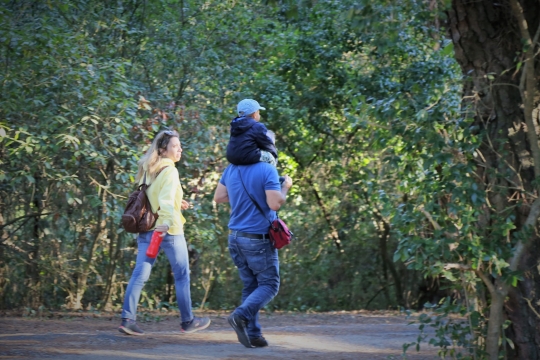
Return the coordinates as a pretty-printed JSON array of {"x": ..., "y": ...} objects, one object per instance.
[{"x": 150, "y": 161}]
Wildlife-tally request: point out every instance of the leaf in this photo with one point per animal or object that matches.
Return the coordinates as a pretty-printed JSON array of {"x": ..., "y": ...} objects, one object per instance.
[
  {"x": 448, "y": 49},
  {"x": 144, "y": 104},
  {"x": 510, "y": 343}
]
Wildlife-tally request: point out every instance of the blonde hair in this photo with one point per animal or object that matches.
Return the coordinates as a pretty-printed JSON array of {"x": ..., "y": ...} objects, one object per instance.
[{"x": 151, "y": 161}]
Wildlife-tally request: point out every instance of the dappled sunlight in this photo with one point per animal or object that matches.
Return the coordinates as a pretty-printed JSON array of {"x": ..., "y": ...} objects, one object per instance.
[{"x": 288, "y": 338}]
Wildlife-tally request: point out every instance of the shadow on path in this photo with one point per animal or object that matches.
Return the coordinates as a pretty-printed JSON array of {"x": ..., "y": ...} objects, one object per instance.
[{"x": 304, "y": 336}]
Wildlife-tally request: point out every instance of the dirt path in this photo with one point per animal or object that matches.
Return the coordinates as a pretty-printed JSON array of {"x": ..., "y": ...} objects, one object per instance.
[{"x": 86, "y": 336}]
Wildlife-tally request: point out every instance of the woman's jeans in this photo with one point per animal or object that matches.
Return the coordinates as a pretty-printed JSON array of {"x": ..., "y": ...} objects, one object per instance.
[
  {"x": 175, "y": 248},
  {"x": 258, "y": 265}
]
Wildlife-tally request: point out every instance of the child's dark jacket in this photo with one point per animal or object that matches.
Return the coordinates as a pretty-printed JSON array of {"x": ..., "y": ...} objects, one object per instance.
[{"x": 248, "y": 138}]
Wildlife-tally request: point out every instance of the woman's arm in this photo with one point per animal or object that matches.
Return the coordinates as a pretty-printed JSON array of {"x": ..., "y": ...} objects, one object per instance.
[{"x": 167, "y": 196}]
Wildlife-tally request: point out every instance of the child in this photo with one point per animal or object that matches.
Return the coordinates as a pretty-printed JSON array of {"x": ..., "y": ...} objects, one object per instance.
[{"x": 250, "y": 141}]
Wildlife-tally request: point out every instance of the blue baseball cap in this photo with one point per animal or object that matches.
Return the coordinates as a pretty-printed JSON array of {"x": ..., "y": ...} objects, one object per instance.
[{"x": 247, "y": 107}]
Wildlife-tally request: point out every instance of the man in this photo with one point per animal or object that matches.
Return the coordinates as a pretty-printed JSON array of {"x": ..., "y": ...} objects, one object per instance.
[{"x": 249, "y": 244}]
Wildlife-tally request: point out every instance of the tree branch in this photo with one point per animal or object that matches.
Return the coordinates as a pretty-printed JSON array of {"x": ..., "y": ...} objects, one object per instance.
[
  {"x": 530, "y": 222},
  {"x": 435, "y": 225},
  {"x": 535, "y": 39},
  {"x": 24, "y": 217},
  {"x": 333, "y": 233},
  {"x": 105, "y": 188},
  {"x": 377, "y": 293},
  {"x": 457, "y": 266},
  {"x": 487, "y": 281},
  {"x": 530, "y": 305},
  {"x": 528, "y": 96},
  {"x": 479, "y": 273}
]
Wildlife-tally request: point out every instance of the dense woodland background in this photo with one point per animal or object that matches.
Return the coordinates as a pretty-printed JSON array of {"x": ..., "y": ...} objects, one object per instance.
[{"x": 403, "y": 125}]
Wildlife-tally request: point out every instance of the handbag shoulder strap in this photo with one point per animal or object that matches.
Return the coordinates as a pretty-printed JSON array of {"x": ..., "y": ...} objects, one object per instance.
[
  {"x": 159, "y": 172},
  {"x": 253, "y": 200},
  {"x": 144, "y": 179},
  {"x": 145, "y": 187}
]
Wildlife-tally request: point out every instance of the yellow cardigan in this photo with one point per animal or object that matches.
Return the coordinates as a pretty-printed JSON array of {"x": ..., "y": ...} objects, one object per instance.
[{"x": 166, "y": 194}]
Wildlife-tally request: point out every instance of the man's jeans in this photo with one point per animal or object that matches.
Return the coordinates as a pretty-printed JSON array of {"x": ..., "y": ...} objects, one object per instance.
[
  {"x": 175, "y": 248},
  {"x": 258, "y": 265}
]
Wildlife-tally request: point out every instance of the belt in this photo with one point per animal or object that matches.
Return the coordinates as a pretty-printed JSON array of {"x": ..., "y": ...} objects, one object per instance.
[{"x": 247, "y": 235}]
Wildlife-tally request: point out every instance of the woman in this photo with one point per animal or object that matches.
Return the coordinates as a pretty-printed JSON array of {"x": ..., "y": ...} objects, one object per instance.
[{"x": 165, "y": 195}]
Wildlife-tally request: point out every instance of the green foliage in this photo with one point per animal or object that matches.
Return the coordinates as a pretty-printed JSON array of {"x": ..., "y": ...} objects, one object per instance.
[
  {"x": 368, "y": 126},
  {"x": 451, "y": 327}
]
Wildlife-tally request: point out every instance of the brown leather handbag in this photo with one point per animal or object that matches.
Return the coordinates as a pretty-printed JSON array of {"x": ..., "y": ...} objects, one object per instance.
[{"x": 138, "y": 216}]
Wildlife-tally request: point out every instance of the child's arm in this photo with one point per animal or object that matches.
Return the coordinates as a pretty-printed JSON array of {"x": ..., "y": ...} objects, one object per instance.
[{"x": 263, "y": 140}]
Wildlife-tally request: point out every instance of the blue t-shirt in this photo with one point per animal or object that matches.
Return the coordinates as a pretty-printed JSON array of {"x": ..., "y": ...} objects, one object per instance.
[{"x": 257, "y": 178}]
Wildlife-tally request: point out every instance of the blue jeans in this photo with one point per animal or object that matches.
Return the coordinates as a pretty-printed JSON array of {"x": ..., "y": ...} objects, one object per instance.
[
  {"x": 175, "y": 248},
  {"x": 258, "y": 265}
]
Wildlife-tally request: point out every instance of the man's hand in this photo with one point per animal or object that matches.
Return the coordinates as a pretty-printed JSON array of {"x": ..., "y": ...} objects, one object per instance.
[
  {"x": 275, "y": 198},
  {"x": 287, "y": 183}
]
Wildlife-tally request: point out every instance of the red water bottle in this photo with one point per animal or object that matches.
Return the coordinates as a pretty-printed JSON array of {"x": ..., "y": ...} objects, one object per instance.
[{"x": 153, "y": 248}]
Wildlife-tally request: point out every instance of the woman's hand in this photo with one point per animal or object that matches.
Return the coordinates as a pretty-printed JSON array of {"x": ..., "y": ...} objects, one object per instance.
[
  {"x": 185, "y": 204},
  {"x": 163, "y": 228}
]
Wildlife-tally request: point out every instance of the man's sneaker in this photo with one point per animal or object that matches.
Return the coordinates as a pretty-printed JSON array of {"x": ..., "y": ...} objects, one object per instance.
[
  {"x": 195, "y": 325},
  {"x": 258, "y": 342},
  {"x": 130, "y": 327},
  {"x": 240, "y": 326}
]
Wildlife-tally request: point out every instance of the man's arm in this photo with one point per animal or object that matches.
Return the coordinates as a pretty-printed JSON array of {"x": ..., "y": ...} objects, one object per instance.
[
  {"x": 221, "y": 195},
  {"x": 275, "y": 198}
]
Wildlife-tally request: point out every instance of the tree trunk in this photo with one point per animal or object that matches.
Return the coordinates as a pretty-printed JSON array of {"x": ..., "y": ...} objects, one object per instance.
[
  {"x": 101, "y": 231},
  {"x": 486, "y": 38},
  {"x": 84, "y": 269},
  {"x": 32, "y": 268},
  {"x": 384, "y": 234},
  {"x": 523, "y": 310},
  {"x": 115, "y": 251},
  {"x": 496, "y": 319}
]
